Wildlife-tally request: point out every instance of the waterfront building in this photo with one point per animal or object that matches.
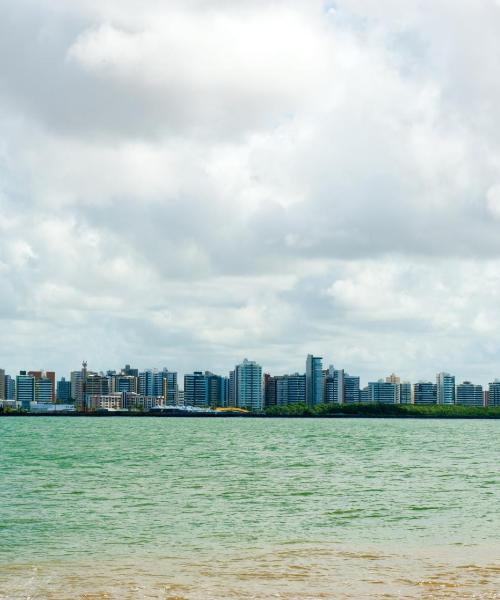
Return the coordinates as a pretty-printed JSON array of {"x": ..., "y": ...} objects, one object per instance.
[
  {"x": 364, "y": 395},
  {"x": 96, "y": 384},
  {"x": 351, "y": 389},
  {"x": 169, "y": 388},
  {"x": 405, "y": 393},
  {"x": 404, "y": 390},
  {"x": 218, "y": 390},
  {"x": 445, "y": 388},
  {"x": 10, "y": 388},
  {"x": 249, "y": 385},
  {"x": 133, "y": 401},
  {"x": 290, "y": 389},
  {"x": 195, "y": 389},
  {"x": 51, "y": 376},
  {"x": 77, "y": 386},
  {"x": 494, "y": 393},
  {"x": 424, "y": 392},
  {"x": 43, "y": 390},
  {"x": 146, "y": 383},
  {"x": 269, "y": 390},
  {"x": 233, "y": 385},
  {"x": 469, "y": 394},
  {"x": 180, "y": 398},
  {"x": 383, "y": 392},
  {"x": 314, "y": 380},
  {"x": 25, "y": 390},
  {"x": 3, "y": 393},
  {"x": 125, "y": 383},
  {"x": 112, "y": 401},
  {"x": 340, "y": 387},
  {"x": 63, "y": 390}
]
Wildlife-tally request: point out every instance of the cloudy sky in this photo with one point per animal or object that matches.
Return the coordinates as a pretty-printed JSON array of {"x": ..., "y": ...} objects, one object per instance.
[{"x": 186, "y": 183}]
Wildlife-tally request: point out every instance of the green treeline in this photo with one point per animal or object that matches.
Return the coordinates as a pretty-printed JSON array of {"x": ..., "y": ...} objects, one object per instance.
[{"x": 385, "y": 410}]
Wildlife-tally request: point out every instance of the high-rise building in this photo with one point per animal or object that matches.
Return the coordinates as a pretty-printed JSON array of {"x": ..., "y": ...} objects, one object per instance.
[
  {"x": 3, "y": 393},
  {"x": 290, "y": 389},
  {"x": 218, "y": 390},
  {"x": 196, "y": 389},
  {"x": 51, "y": 376},
  {"x": 340, "y": 387},
  {"x": 469, "y": 394},
  {"x": 63, "y": 391},
  {"x": 25, "y": 390},
  {"x": 233, "y": 388},
  {"x": 351, "y": 389},
  {"x": 125, "y": 383},
  {"x": 169, "y": 387},
  {"x": 10, "y": 388},
  {"x": 77, "y": 386},
  {"x": 405, "y": 396},
  {"x": 146, "y": 383},
  {"x": 403, "y": 389},
  {"x": 445, "y": 388},
  {"x": 383, "y": 392},
  {"x": 127, "y": 370},
  {"x": 424, "y": 392},
  {"x": 269, "y": 390},
  {"x": 43, "y": 390},
  {"x": 314, "y": 380},
  {"x": 249, "y": 385},
  {"x": 494, "y": 393}
]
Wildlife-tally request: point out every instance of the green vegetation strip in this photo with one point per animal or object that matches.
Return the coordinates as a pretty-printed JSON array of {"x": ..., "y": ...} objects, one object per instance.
[{"x": 385, "y": 410}]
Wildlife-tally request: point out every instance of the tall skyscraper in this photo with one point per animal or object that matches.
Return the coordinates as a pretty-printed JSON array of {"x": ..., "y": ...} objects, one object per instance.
[
  {"x": 445, "y": 388},
  {"x": 314, "y": 380},
  {"x": 249, "y": 385}
]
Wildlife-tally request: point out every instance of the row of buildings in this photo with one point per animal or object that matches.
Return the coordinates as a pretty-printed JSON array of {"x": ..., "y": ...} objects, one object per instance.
[{"x": 245, "y": 387}]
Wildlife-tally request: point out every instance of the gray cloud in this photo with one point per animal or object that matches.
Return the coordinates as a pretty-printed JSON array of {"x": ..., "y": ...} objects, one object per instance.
[{"x": 192, "y": 183}]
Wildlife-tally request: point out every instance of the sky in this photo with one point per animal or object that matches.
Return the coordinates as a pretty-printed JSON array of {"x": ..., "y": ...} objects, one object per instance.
[{"x": 192, "y": 182}]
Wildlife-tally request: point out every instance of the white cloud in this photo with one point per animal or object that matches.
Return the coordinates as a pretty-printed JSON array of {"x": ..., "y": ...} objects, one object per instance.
[{"x": 191, "y": 182}]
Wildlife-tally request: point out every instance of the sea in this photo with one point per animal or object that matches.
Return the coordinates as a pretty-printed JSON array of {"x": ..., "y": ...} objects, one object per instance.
[{"x": 234, "y": 508}]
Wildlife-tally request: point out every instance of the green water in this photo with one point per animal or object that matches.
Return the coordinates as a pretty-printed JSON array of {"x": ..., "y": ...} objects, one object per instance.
[{"x": 234, "y": 508}]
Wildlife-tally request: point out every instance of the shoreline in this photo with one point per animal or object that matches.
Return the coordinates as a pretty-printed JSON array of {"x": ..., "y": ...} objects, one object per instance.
[{"x": 177, "y": 415}]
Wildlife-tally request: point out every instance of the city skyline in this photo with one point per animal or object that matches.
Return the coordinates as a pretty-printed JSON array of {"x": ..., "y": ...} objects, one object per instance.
[{"x": 246, "y": 386}]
